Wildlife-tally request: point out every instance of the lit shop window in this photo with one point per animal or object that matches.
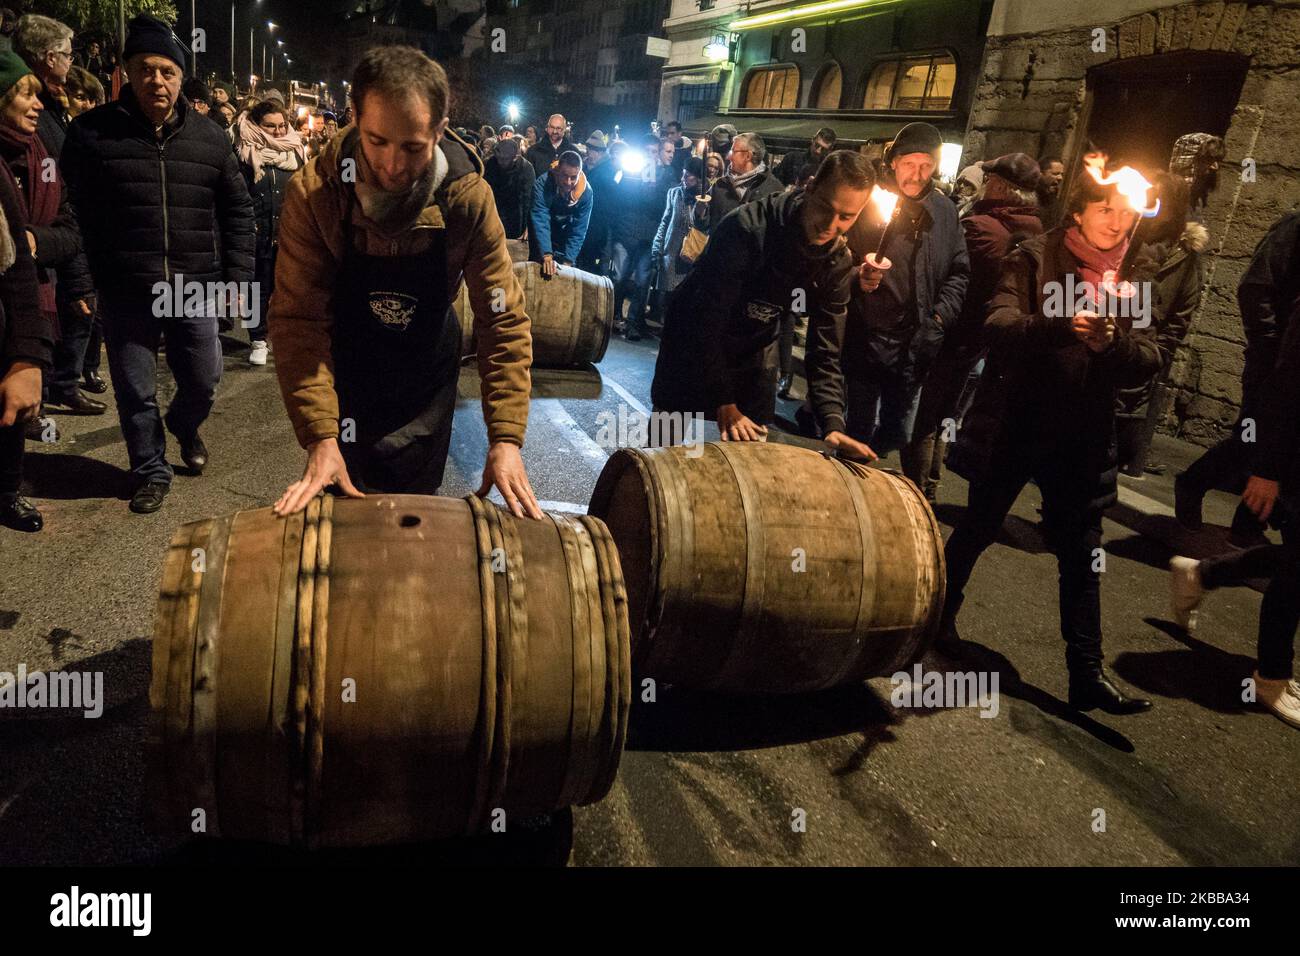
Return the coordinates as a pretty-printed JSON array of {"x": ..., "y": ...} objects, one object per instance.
[
  {"x": 916, "y": 83},
  {"x": 772, "y": 88}
]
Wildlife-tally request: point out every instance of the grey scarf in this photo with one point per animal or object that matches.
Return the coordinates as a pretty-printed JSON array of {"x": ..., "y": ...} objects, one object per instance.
[{"x": 395, "y": 213}]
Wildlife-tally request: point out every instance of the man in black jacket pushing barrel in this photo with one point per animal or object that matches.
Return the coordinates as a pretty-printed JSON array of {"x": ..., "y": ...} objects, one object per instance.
[{"x": 718, "y": 357}]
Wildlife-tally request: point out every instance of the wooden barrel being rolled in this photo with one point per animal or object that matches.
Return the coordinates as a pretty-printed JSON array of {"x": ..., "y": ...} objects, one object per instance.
[
  {"x": 572, "y": 315},
  {"x": 388, "y": 669},
  {"x": 766, "y": 568}
]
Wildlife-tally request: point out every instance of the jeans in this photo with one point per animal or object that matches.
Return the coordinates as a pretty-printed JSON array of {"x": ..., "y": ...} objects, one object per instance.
[
  {"x": 69, "y": 353},
  {"x": 1074, "y": 532},
  {"x": 95, "y": 345},
  {"x": 881, "y": 408},
  {"x": 948, "y": 392},
  {"x": 264, "y": 276},
  {"x": 194, "y": 357},
  {"x": 1279, "y": 612},
  {"x": 630, "y": 266}
]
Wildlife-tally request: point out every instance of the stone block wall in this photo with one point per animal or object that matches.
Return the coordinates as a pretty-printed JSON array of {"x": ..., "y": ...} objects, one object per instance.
[{"x": 1031, "y": 96}]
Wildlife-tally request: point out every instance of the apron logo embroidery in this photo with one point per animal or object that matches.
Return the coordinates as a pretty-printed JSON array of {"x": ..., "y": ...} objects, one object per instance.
[
  {"x": 762, "y": 311},
  {"x": 394, "y": 310}
]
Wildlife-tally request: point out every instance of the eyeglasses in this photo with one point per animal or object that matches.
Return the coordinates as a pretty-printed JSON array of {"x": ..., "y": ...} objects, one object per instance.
[
  {"x": 67, "y": 53},
  {"x": 278, "y": 128}
]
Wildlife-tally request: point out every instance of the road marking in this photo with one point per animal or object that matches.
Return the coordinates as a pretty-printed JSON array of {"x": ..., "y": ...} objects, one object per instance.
[
  {"x": 568, "y": 507},
  {"x": 1140, "y": 502},
  {"x": 626, "y": 396},
  {"x": 553, "y": 409}
]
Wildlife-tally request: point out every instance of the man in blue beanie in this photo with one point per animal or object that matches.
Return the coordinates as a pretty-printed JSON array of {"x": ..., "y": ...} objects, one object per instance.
[{"x": 162, "y": 207}]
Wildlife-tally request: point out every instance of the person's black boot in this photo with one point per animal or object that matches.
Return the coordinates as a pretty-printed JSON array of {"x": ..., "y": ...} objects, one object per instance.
[
  {"x": 1094, "y": 690},
  {"x": 1187, "y": 505},
  {"x": 148, "y": 498},
  {"x": 42, "y": 428},
  {"x": 91, "y": 382},
  {"x": 783, "y": 386},
  {"x": 20, "y": 514}
]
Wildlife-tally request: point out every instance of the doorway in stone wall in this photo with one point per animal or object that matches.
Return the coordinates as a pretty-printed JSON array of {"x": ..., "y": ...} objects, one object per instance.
[{"x": 1141, "y": 105}]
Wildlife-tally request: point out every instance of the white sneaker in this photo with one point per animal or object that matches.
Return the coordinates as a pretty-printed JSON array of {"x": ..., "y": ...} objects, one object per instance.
[
  {"x": 257, "y": 354},
  {"x": 1185, "y": 591},
  {"x": 1280, "y": 697}
]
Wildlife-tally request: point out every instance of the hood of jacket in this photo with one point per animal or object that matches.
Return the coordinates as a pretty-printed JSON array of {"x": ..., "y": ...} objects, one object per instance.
[{"x": 578, "y": 189}]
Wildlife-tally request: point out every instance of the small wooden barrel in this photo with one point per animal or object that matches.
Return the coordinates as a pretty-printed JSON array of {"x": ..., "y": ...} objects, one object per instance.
[
  {"x": 766, "y": 568},
  {"x": 572, "y": 315},
  {"x": 388, "y": 669}
]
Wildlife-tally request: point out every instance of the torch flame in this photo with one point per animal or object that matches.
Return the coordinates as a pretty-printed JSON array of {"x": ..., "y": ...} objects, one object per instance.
[
  {"x": 1128, "y": 182},
  {"x": 884, "y": 202}
]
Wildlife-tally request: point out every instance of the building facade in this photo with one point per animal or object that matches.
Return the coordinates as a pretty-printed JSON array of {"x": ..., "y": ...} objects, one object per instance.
[
  {"x": 587, "y": 59},
  {"x": 1131, "y": 76},
  {"x": 785, "y": 69}
]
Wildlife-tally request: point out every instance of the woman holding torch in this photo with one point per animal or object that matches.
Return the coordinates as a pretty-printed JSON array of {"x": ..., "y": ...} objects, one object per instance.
[{"x": 1045, "y": 411}]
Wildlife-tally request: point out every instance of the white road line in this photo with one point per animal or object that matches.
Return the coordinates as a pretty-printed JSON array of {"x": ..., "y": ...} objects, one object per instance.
[
  {"x": 626, "y": 395},
  {"x": 1140, "y": 502},
  {"x": 553, "y": 409},
  {"x": 568, "y": 507}
]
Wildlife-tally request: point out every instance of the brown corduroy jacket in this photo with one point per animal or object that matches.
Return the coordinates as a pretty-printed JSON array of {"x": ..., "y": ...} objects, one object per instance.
[{"x": 311, "y": 251}]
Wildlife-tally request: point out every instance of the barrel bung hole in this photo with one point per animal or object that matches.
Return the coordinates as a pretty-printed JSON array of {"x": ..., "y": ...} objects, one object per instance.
[{"x": 409, "y": 521}]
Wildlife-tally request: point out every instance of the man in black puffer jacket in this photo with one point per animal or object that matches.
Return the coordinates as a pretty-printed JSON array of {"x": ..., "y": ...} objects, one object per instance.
[{"x": 161, "y": 203}]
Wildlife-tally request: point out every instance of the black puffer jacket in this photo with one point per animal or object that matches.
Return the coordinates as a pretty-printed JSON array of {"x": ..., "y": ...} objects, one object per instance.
[
  {"x": 151, "y": 208},
  {"x": 1045, "y": 396},
  {"x": 25, "y": 333},
  {"x": 268, "y": 196},
  {"x": 719, "y": 343}
]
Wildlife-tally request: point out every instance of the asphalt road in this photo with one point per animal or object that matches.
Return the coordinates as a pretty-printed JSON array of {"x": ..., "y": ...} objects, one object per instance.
[{"x": 1202, "y": 779}]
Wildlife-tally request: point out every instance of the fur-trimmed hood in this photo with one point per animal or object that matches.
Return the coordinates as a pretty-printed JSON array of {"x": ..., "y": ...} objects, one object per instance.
[{"x": 1196, "y": 238}]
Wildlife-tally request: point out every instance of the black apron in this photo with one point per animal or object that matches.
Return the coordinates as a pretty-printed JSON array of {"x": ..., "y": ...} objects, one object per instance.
[{"x": 396, "y": 347}]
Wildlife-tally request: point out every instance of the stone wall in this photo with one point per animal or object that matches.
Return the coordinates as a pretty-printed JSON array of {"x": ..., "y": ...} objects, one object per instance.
[{"x": 1030, "y": 97}]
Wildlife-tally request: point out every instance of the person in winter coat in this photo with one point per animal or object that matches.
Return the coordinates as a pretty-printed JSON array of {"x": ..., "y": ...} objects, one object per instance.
[
  {"x": 512, "y": 180},
  {"x": 1172, "y": 245},
  {"x": 602, "y": 168},
  {"x": 819, "y": 147},
  {"x": 561, "y": 211},
  {"x": 1045, "y": 411},
  {"x": 52, "y": 234},
  {"x": 46, "y": 47},
  {"x": 674, "y": 225},
  {"x": 376, "y": 235},
  {"x": 1003, "y": 213},
  {"x": 1272, "y": 494},
  {"x": 270, "y": 152},
  {"x": 542, "y": 153},
  {"x": 26, "y": 351},
  {"x": 898, "y": 319},
  {"x": 85, "y": 92},
  {"x": 160, "y": 201},
  {"x": 639, "y": 197},
  {"x": 747, "y": 179},
  {"x": 718, "y": 357},
  {"x": 1266, "y": 295}
]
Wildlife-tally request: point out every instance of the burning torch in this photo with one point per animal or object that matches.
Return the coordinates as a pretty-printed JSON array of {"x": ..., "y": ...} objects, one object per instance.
[{"x": 885, "y": 204}]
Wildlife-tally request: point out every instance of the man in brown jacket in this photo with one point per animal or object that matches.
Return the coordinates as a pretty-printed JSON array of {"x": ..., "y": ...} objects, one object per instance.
[{"x": 375, "y": 235}]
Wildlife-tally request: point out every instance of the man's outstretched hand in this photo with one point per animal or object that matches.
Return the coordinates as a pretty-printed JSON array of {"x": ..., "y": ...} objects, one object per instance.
[
  {"x": 505, "y": 469},
  {"x": 850, "y": 447},
  {"x": 324, "y": 467}
]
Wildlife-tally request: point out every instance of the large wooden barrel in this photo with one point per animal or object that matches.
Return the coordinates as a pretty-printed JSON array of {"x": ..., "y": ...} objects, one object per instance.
[
  {"x": 766, "y": 568},
  {"x": 387, "y": 669},
  {"x": 572, "y": 315}
]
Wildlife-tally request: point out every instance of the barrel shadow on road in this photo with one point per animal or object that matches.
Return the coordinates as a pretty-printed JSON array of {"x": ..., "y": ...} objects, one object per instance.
[{"x": 681, "y": 719}]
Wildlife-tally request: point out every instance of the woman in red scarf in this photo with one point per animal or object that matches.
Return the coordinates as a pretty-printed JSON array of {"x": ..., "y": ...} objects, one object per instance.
[
  {"x": 1045, "y": 411},
  {"x": 52, "y": 236}
]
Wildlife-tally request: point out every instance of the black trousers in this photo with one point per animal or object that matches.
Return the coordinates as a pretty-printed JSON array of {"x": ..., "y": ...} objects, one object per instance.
[
  {"x": 1074, "y": 533},
  {"x": 1225, "y": 467},
  {"x": 12, "y": 447},
  {"x": 1279, "y": 612}
]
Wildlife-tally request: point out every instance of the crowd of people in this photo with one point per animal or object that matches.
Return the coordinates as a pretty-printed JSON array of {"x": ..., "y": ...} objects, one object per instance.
[{"x": 931, "y": 324}]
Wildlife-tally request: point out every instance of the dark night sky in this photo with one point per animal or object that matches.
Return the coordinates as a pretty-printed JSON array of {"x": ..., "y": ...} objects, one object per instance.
[{"x": 304, "y": 25}]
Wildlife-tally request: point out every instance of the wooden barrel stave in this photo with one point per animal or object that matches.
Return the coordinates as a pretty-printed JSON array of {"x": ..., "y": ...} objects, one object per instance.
[{"x": 709, "y": 545}]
